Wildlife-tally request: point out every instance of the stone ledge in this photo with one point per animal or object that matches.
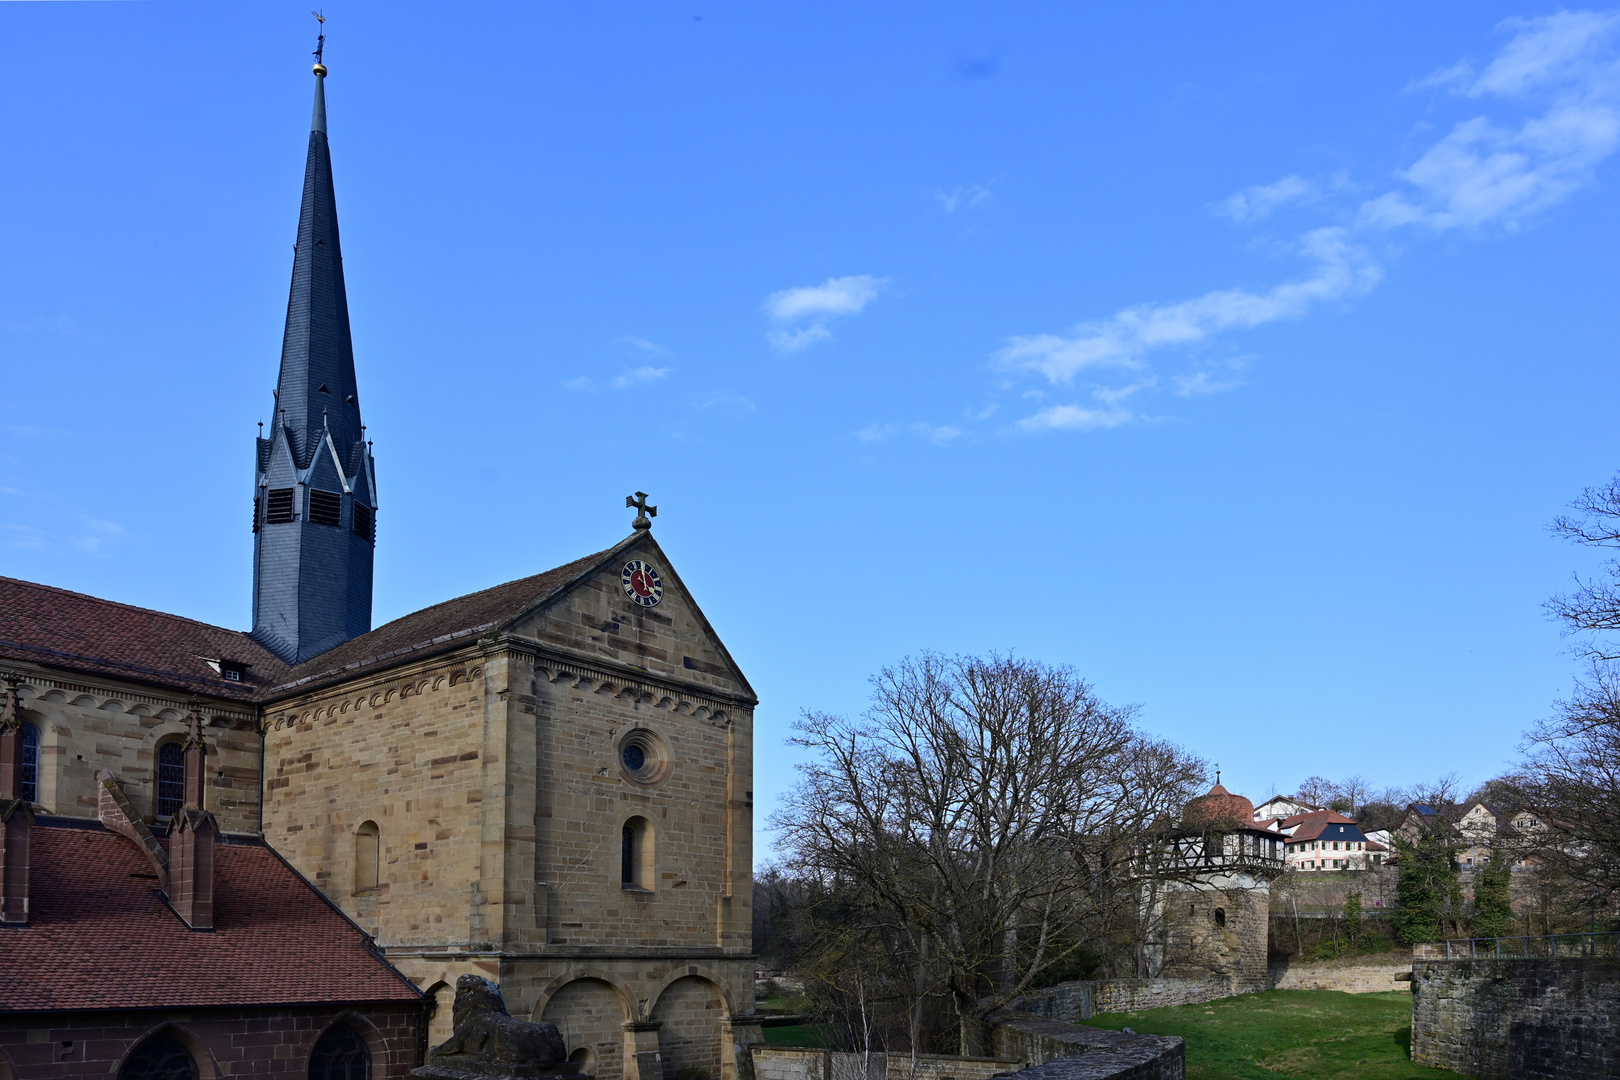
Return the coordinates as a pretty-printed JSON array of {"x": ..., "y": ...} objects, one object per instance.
[{"x": 1074, "y": 1052}]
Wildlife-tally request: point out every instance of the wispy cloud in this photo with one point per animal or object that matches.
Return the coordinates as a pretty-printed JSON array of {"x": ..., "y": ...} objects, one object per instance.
[
  {"x": 814, "y": 304},
  {"x": 964, "y": 198},
  {"x": 1561, "y": 70},
  {"x": 1254, "y": 203},
  {"x": 90, "y": 537},
  {"x": 642, "y": 346},
  {"x": 639, "y": 376}
]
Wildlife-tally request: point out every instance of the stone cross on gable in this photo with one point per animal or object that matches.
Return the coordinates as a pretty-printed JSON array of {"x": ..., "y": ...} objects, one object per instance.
[{"x": 643, "y": 511}]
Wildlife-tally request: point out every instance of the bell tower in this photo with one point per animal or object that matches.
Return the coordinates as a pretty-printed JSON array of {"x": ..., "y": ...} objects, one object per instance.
[{"x": 314, "y": 495}]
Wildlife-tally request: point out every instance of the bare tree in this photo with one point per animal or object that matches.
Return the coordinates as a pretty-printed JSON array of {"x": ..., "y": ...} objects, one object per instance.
[
  {"x": 1594, "y": 605},
  {"x": 984, "y": 812},
  {"x": 1353, "y": 792},
  {"x": 1315, "y": 790}
]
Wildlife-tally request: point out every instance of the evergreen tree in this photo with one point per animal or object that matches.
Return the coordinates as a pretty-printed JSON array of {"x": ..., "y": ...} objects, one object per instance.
[
  {"x": 1493, "y": 910},
  {"x": 1427, "y": 884},
  {"x": 1352, "y": 919}
]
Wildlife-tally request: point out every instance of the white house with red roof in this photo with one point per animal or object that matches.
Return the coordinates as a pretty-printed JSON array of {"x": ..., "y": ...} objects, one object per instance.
[{"x": 1327, "y": 840}]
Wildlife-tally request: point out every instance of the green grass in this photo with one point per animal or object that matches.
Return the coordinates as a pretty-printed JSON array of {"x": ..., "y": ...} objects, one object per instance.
[
  {"x": 818, "y": 1035},
  {"x": 1314, "y": 1034}
]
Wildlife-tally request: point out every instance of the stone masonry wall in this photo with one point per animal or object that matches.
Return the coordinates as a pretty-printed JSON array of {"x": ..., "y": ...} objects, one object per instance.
[
  {"x": 224, "y": 1042},
  {"x": 1346, "y": 976},
  {"x": 805, "y": 1063},
  {"x": 87, "y": 723},
  {"x": 1073, "y": 1002},
  {"x": 1060, "y": 1051},
  {"x": 1523, "y": 1019}
]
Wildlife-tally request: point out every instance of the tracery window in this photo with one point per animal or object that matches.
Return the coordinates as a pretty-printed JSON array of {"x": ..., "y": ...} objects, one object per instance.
[
  {"x": 340, "y": 1055},
  {"x": 171, "y": 778},
  {"x": 161, "y": 1057},
  {"x": 30, "y": 763}
]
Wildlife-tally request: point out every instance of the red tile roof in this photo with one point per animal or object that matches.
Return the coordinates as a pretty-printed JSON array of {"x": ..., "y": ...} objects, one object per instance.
[
  {"x": 72, "y": 631},
  {"x": 1310, "y": 826},
  {"x": 440, "y": 627},
  {"x": 100, "y": 937}
]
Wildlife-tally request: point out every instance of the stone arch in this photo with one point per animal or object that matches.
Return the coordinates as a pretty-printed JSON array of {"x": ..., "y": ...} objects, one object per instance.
[
  {"x": 376, "y": 1045},
  {"x": 692, "y": 971},
  {"x": 590, "y": 1011},
  {"x": 207, "y": 1067},
  {"x": 441, "y": 1019},
  {"x": 692, "y": 1011}
]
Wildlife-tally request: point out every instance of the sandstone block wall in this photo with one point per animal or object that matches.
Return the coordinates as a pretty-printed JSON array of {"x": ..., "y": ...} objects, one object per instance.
[
  {"x": 803, "y": 1063},
  {"x": 1348, "y": 978},
  {"x": 1221, "y": 929},
  {"x": 224, "y": 1042},
  {"x": 1522, "y": 1019},
  {"x": 86, "y": 724},
  {"x": 1060, "y": 1051},
  {"x": 1072, "y": 1002}
]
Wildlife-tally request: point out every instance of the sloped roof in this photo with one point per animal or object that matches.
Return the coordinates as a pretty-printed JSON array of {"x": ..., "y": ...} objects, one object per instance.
[
  {"x": 75, "y": 632},
  {"x": 101, "y": 937},
  {"x": 1324, "y": 825},
  {"x": 440, "y": 627}
]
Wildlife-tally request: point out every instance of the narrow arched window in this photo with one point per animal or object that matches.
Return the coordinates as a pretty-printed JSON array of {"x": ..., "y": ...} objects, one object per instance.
[
  {"x": 171, "y": 778},
  {"x": 161, "y": 1057},
  {"x": 635, "y": 854},
  {"x": 367, "y": 848},
  {"x": 30, "y": 763},
  {"x": 1220, "y": 916},
  {"x": 340, "y": 1055}
]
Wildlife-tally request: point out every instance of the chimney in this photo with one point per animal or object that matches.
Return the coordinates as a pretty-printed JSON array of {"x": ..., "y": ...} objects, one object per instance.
[
  {"x": 191, "y": 837},
  {"x": 16, "y": 815}
]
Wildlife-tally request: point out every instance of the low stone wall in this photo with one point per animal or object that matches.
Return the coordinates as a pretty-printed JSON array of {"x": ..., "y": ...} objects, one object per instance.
[
  {"x": 1077, "y": 1001},
  {"x": 1060, "y": 1051},
  {"x": 1524, "y": 1019},
  {"x": 809, "y": 1063},
  {"x": 1352, "y": 975}
]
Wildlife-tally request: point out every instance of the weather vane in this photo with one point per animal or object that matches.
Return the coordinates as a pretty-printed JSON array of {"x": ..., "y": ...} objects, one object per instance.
[{"x": 320, "y": 42}]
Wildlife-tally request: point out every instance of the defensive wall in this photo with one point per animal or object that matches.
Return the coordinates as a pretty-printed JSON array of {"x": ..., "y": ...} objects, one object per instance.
[
  {"x": 1350, "y": 975},
  {"x": 1524, "y": 1018}
]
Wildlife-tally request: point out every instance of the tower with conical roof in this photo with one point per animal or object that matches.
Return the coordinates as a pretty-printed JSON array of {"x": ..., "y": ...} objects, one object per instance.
[{"x": 314, "y": 505}]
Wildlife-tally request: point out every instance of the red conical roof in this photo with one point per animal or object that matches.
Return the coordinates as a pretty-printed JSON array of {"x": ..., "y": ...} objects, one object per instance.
[{"x": 1219, "y": 807}]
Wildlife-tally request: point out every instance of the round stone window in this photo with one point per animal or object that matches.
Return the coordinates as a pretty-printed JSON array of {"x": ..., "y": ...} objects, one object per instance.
[{"x": 643, "y": 757}]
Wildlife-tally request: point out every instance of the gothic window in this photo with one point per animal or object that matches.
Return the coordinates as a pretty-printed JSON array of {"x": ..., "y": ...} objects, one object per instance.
[
  {"x": 340, "y": 1055},
  {"x": 159, "y": 1058},
  {"x": 171, "y": 778},
  {"x": 325, "y": 507},
  {"x": 30, "y": 763},
  {"x": 367, "y": 848},
  {"x": 278, "y": 506}
]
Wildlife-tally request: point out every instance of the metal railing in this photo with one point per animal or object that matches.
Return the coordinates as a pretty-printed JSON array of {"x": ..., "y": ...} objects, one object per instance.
[{"x": 1555, "y": 946}]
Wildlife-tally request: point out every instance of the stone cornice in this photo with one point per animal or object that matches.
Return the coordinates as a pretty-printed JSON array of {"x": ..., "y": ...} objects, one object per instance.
[
  {"x": 564, "y": 663},
  {"x": 140, "y": 701}
]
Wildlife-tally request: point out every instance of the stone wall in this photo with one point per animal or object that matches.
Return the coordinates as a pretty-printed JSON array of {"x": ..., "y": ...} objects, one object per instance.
[
  {"x": 806, "y": 1063},
  {"x": 1059, "y": 1051},
  {"x": 224, "y": 1042},
  {"x": 1072, "y": 1002},
  {"x": 1352, "y": 975},
  {"x": 1523, "y": 1019},
  {"x": 87, "y": 723}
]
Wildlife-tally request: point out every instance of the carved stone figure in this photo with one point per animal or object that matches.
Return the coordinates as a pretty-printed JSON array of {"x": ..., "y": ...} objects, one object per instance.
[{"x": 489, "y": 1043}]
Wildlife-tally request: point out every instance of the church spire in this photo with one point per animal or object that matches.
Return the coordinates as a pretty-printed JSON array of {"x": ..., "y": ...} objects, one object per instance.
[{"x": 314, "y": 496}]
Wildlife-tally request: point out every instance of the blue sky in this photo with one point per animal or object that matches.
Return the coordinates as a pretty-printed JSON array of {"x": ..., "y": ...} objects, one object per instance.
[{"x": 1237, "y": 358}]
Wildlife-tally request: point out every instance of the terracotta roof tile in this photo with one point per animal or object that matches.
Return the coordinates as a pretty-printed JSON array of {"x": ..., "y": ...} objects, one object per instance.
[
  {"x": 100, "y": 937},
  {"x": 76, "y": 632}
]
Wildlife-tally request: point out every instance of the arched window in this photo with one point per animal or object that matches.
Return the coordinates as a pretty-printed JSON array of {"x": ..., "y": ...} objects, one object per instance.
[
  {"x": 367, "y": 848},
  {"x": 171, "y": 778},
  {"x": 161, "y": 1057},
  {"x": 636, "y": 854},
  {"x": 30, "y": 763},
  {"x": 340, "y": 1055},
  {"x": 1220, "y": 916}
]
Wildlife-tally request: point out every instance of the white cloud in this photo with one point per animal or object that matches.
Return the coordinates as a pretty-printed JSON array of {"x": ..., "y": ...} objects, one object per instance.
[
  {"x": 835, "y": 296},
  {"x": 1121, "y": 341},
  {"x": 642, "y": 345},
  {"x": 877, "y": 432},
  {"x": 1254, "y": 203},
  {"x": 794, "y": 340},
  {"x": 1486, "y": 171},
  {"x": 639, "y": 376},
  {"x": 964, "y": 198},
  {"x": 581, "y": 383},
  {"x": 939, "y": 436}
]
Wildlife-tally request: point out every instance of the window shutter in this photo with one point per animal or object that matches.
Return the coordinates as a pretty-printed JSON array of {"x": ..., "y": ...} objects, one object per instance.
[
  {"x": 326, "y": 508},
  {"x": 363, "y": 522},
  {"x": 278, "y": 508}
]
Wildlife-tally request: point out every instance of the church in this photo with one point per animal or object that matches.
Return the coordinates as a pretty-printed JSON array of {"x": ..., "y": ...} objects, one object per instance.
[{"x": 276, "y": 851}]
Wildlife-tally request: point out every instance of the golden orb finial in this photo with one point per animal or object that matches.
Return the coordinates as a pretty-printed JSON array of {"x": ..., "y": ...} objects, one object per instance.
[{"x": 320, "y": 69}]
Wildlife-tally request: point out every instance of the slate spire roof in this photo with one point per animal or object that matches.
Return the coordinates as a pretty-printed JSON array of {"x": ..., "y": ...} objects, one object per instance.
[{"x": 317, "y": 388}]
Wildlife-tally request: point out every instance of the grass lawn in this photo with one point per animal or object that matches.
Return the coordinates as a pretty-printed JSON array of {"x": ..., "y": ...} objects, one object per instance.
[{"x": 1319, "y": 1034}]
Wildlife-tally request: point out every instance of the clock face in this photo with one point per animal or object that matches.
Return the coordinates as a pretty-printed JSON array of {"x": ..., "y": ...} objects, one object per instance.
[{"x": 642, "y": 584}]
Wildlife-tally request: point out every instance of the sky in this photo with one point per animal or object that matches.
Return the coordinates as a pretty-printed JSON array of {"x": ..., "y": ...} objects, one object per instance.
[{"x": 1237, "y": 358}]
